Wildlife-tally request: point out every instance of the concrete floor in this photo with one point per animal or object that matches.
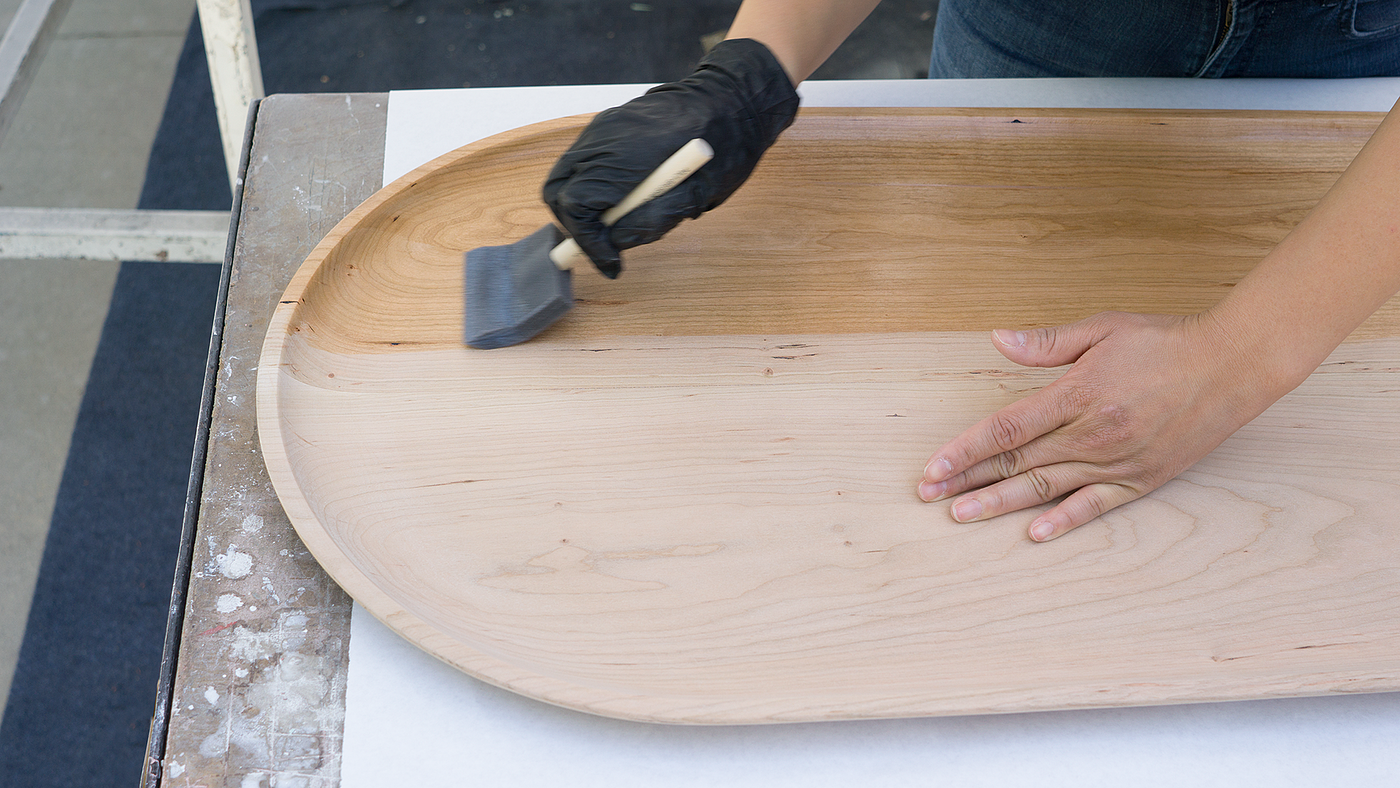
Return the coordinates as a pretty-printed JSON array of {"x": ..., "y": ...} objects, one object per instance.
[{"x": 81, "y": 140}]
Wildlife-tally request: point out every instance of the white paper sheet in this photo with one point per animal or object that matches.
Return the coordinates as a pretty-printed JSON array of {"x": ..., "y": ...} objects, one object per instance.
[
  {"x": 413, "y": 721},
  {"x": 424, "y": 124}
]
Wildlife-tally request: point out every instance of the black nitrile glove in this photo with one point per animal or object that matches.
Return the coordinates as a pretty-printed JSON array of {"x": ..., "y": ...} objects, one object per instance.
[{"x": 739, "y": 100}]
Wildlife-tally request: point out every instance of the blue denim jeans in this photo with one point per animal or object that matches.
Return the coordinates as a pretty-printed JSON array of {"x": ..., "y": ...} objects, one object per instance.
[{"x": 1166, "y": 38}]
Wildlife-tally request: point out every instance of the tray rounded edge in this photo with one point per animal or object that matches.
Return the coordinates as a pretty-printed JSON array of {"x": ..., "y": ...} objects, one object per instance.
[{"x": 272, "y": 443}]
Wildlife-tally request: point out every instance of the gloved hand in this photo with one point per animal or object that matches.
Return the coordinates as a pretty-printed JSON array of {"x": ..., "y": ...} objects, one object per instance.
[{"x": 739, "y": 100}]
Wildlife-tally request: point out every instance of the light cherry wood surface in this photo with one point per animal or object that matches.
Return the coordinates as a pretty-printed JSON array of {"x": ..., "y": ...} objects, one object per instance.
[{"x": 693, "y": 499}]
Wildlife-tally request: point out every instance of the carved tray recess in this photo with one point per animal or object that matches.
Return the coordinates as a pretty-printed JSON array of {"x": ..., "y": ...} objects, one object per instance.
[{"x": 693, "y": 499}]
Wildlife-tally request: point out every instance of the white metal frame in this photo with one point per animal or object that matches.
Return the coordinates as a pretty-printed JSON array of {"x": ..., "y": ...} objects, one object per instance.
[
  {"x": 85, "y": 234},
  {"x": 184, "y": 236},
  {"x": 234, "y": 72}
]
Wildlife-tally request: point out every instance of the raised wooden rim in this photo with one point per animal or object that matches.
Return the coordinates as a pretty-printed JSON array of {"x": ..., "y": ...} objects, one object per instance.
[{"x": 514, "y": 677}]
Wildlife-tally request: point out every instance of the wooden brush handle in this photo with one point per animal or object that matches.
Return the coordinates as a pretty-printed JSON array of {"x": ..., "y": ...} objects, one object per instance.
[{"x": 691, "y": 157}]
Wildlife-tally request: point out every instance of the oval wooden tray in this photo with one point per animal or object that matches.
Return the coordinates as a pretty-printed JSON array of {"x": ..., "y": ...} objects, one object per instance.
[{"x": 693, "y": 499}]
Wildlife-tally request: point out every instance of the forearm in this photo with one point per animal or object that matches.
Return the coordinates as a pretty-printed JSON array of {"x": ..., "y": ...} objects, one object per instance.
[
  {"x": 802, "y": 34},
  {"x": 1338, "y": 266}
]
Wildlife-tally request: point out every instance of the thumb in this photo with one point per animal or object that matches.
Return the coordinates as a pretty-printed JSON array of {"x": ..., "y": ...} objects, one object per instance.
[
  {"x": 593, "y": 239},
  {"x": 1047, "y": 347}
]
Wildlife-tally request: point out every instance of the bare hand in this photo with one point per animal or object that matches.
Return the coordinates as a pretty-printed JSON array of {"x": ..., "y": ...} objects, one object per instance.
[{"x": 1147, "y": 397}]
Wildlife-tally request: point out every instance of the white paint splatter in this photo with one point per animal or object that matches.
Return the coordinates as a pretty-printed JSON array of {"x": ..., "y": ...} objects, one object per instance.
[
  {"x": 248, "y": 646},
  {"x": 175, "y": 769},
  {"x": 233, "y": 564},
  {"x": 211, "y": 695},
  {"x": 271, "y": 592},
  {"x": 242, "y": 673},
  {"x": 252, "y": 523},
  {"x": 251, "y": 781},
  {"x": 227, "y": 603},
  {"x": 213, "y": 745},
  {"x": 299, "y": 686}
]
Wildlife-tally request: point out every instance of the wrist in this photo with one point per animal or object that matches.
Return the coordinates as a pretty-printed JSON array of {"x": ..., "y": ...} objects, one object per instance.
[
  {"x": 757, "y": 57},
  {"x": 757, "y": 76},
  {"x": 1257, "y": 343},
  {"x": 753, "y": 87}
]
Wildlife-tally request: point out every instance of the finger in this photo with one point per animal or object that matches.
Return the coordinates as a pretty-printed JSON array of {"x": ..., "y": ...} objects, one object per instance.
[
  {"x": 1032, "y": 488},
  {"x": 1054, "y": 346},
  {"x": 650, "y": 221},
  {"x": 1006, "y": 430},
  {"x": 578, "y": 208},
  {"x": 1085, "y": 504},
  {"x": 583, "y": 184},
  {"x": 1041, "y": 451}
]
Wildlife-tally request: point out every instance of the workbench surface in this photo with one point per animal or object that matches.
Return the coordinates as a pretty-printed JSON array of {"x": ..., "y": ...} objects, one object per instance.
[
  {"x": 258, "y": 692},
  {"x": 259, "y": 686}
]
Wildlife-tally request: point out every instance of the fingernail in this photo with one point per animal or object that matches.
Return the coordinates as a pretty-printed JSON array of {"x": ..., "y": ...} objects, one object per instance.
[
  {"x": 938, "y": 470},
  {"x": 1010, "y": 338},
  {"x": 1042, "y": 530},
  {"x": 932, "y": 491},
  {"x": 966, "y": 510}
]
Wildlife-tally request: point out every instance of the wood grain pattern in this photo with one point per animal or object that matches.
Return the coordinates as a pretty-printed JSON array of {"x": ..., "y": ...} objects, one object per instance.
[{"x": 693, "y": 499}]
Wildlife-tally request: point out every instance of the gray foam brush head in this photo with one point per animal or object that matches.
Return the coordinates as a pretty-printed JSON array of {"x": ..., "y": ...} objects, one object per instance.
[{"x": 514, "y": 292}]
